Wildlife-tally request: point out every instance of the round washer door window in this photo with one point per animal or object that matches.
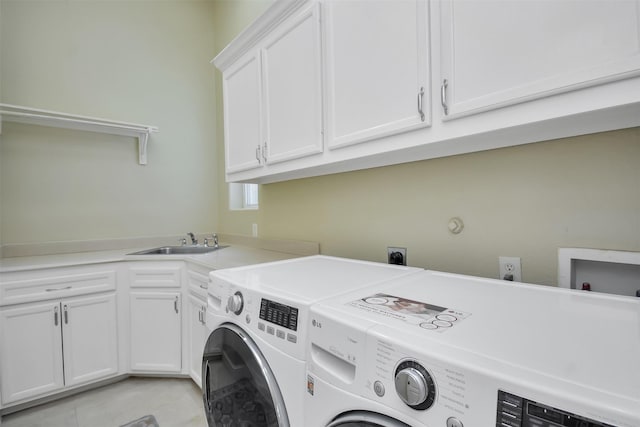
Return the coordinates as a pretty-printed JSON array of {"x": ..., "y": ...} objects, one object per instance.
[
  {"x": 239, "y": 388},
  {"x": 365, "y": 419}
]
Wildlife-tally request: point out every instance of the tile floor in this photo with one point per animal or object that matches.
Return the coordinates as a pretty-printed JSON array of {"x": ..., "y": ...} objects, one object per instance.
[{"x": 173, "y": 402}]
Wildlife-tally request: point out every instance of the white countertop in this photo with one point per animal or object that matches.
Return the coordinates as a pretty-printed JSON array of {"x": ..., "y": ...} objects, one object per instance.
[{"x": 231, "y": 256}]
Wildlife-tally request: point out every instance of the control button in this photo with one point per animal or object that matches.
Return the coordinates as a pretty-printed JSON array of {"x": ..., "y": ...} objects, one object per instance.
[
  {"x": 411, "y": 386},
  {"x": 454, "y": 422},
  {"x": 442, "y": 323},
  {"x": 427, "y": 325},
  {"x": 280, "y": 334},
  {"x": 378, "y": 388},
  {"x": 414, "y": 385},
  {"x": 235, "y": 303},
  {"x": 270, "y": 330},
  {"x": 447, "y": 317},
  {"x": 247, "y": 318},
  {"x": 292, "y": 338},
  {"x": 261, "y": 326}
]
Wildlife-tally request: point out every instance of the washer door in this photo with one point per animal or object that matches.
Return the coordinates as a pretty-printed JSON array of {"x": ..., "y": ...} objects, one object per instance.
[
  {"x": 239, "y": 388},
  {"x": 365, "y": 419}
]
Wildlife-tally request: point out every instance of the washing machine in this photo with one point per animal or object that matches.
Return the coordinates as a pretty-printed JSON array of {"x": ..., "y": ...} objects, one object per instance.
[
  {"x": 253, "y": 366},
  {"x": 436, "y": 349}
]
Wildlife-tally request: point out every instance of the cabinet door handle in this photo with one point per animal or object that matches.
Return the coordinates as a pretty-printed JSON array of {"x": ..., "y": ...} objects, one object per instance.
[
  {"x": 258, "y": 154},
  {"x": 57, "y": 289},
  {"x": 55, "y": 315},
  {"x": 420, "y": 97},
  {"x": 66, "y": 315},
  {"x": 200, "y": 315},
  {"x": 264, "y": 152},
  {"x": 204, "y": 287},
  {"x": 443, "y": 96},
  {"x": 175, "y": 305},
  {"x": 204, "y": 315}
]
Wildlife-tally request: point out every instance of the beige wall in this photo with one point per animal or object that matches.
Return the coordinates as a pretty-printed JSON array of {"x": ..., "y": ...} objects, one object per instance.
[
  {"x": 138, "y": 61},
  {"x": 522, "y": 201}
]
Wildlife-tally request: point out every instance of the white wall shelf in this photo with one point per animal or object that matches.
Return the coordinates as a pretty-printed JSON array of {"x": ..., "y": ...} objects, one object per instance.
[{"x": 15, "y": 113}]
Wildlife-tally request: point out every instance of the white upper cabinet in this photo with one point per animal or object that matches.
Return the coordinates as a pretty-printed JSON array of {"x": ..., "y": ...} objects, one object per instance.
[
  {"x": 292, "y": 89},
  {"x": 242, "y": 116},
  {"x": 405, "y": 80},
  {"x": 497, "y": 53},
  {"x": 273, "y": 96},
  {"x": 376, "y": 69}
]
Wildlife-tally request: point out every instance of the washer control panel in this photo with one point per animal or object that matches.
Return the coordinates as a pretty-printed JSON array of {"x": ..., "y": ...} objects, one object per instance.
[{"x": 279, "y": 314}]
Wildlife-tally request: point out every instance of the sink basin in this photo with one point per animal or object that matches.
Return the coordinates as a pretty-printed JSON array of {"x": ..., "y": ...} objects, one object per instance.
[{"x": 178, "y": 250}]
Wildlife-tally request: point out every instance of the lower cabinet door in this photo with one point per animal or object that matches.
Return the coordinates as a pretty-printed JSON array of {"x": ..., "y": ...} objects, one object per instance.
[
  {"x": 31, "y": 351},
  {"x": 197, "y": 337},
  {"x": 156, "y": 344},
  {"x": 90, "y": 338}
]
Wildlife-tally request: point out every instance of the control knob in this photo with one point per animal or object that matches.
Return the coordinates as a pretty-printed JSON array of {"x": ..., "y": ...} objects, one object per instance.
[
  {"x": 235, "y": 303},
  {"x": 414, "y": 385}
]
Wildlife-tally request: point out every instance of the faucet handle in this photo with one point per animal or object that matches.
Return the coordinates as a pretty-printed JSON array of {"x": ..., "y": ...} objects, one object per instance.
[
  {"x": 183, "y": 242},
  {"x": 214, "y": 236}
]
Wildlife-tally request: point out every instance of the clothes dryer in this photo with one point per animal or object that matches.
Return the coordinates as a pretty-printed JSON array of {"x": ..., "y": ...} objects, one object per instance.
[
  {"x": 437, "y": 349},
  {"x": 254, "y": 360}
]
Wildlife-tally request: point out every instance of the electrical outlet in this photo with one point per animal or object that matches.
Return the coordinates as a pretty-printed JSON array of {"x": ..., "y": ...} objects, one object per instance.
[
  {"x": 397, "y": 256},
  {"x": 510, "y": 268}
]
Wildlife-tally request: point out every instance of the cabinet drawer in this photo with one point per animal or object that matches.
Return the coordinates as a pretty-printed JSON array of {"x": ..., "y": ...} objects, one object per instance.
[
  {"x": 155, "y": 276},
  {"x": 198, "y": 283},
  {"x": 21, "y": 288}
]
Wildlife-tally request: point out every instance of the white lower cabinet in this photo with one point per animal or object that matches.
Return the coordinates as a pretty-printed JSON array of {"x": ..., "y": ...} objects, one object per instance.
[
  {"x": 156, "y": 344},
  {"x": 73, "y": 326},
  {"x": 196, "y": 311},
  {"x": 89, "y": 338},
  {"x": 155, "y": 306},
  {"x": 197, "y": 281},
  {"x": 50, "y": 345}
]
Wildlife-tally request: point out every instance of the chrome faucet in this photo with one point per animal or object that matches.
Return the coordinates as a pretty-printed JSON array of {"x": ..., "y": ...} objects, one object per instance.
[{"x": 194, "y": 241}]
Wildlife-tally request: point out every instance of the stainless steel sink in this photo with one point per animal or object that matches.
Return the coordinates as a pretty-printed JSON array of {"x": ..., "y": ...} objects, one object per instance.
[{"x": 179, "y": 250}]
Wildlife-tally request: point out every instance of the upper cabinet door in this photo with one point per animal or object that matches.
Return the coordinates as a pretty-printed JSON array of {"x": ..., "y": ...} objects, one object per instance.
[
  {"x": 292, "y": 88},
  {"x": 242, "y": 114},
  {"x": 376, "y": 69},
  {"x": 496, "y": 53}
]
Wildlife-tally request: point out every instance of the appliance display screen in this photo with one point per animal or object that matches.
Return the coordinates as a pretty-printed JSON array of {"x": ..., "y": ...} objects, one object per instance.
[{"x": 280, "y": 314}]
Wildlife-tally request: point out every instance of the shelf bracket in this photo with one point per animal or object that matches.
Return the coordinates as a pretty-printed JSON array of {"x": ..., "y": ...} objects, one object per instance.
[{"x": 143, "y": 138}]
